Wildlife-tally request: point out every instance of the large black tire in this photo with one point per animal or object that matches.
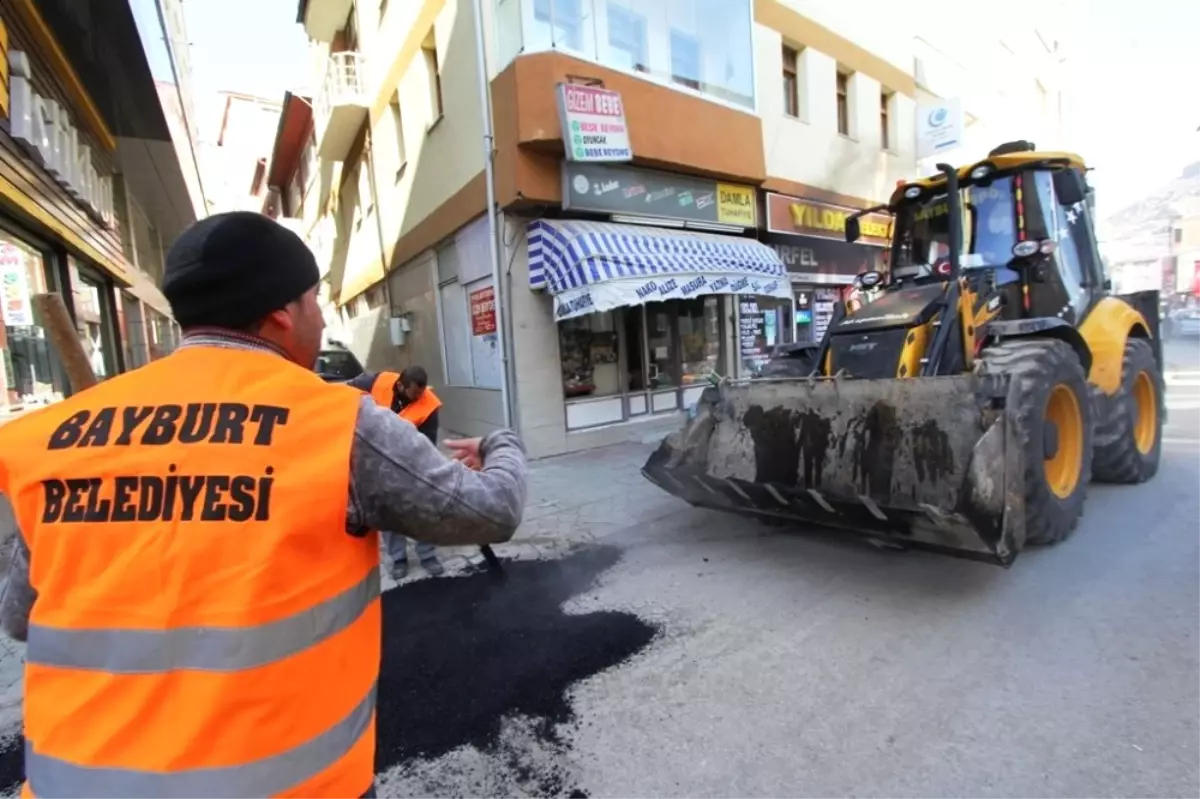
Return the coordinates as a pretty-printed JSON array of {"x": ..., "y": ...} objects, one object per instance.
[
  {"x": 1129, "y": 424},
  {"x": 1039, "y": 367}
]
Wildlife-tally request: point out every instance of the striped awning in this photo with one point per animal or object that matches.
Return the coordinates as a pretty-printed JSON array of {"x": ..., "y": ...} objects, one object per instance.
[{"x": 590, "y": 267}]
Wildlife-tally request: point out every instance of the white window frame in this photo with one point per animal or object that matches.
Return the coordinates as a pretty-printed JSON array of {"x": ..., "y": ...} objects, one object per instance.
[{"x": 598, "y": 24}]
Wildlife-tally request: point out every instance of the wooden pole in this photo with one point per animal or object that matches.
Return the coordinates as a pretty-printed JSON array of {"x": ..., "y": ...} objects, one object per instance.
[{"x": 64, "y": 338}]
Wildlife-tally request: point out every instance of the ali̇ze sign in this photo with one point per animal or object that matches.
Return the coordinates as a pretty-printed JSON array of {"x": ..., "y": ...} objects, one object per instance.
[
  {"x": 822, "y": 220},
  {"x": 593, "y": 124},
  {"x": 44, "y": 128}
]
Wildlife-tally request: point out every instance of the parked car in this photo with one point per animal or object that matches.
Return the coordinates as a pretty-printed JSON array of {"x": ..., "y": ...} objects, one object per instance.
[
  {"x": 336, "y": 364},
  {"x": 1185, "y": 322}
]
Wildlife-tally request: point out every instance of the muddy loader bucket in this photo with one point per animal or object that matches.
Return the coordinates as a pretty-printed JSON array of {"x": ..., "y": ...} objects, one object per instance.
[{"x": 929, "y": 463}]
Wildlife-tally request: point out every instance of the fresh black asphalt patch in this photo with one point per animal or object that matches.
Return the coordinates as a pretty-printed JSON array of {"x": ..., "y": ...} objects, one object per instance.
[{"x": 461, "y": 654}]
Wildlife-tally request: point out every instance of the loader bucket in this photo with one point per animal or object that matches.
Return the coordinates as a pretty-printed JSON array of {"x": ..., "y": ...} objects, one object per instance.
[{"x": 929, "y": 463}]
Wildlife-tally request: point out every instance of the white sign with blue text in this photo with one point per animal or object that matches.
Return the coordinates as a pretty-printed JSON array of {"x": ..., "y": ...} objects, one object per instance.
[
  {"x": 627, "y": 292},
  {"x": 939, "y": 127}
]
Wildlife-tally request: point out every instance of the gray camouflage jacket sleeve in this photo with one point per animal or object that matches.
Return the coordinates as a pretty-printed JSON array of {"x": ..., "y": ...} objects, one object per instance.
[
  {"x": 400, "y": 482},
  {"x": 16, "y": 593}
]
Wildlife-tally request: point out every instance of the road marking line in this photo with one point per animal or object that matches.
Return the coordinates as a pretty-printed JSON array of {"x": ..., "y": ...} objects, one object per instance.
[{"x": 1171, "y": 441}]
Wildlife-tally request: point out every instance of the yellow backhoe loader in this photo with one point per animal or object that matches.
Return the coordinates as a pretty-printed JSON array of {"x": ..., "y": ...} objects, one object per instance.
[{"x": 965, "y": 409}]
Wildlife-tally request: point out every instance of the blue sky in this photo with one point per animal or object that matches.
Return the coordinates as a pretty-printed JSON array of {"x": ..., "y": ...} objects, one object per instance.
[
  {"x": 250, "y": 46},
  {"x": 1136, "y": 105}
]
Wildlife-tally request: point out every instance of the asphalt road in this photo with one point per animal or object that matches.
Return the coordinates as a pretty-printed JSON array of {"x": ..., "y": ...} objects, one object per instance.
[
  {"x": 785, "y": 665},
  {"x": 639, "y": 647}
]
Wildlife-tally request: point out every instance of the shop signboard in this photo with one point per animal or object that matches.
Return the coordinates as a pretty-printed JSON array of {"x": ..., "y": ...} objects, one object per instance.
[
  {"x": 44, "y": 127},
  {"x": 14, "y": 287},
  {"x": 802, "y": 217},
  {"x": 609, "y": 189},
  {"x": 820, "y": 261},
  {"x": 483, "y": 311},
  {"x": 624, "y": 293},
  {"x": 939, "y": 127},
  {"x": 593, "y": 124}
]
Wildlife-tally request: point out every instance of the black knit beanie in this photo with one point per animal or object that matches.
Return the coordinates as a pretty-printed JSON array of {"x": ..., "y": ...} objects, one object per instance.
[{"x": 230, "y": 270}]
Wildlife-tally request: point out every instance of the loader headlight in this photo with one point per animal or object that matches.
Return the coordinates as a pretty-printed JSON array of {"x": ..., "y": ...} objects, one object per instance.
[
  {"x": 912, "y": 192},
  {"x": 1047, "y": 246},
  {"x": 1024, "y": 249},
  {"x": 980, "y": 172}
]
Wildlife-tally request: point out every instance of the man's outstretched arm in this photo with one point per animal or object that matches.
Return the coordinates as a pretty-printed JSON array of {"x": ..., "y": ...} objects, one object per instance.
[{"x": 399, "y": 481}]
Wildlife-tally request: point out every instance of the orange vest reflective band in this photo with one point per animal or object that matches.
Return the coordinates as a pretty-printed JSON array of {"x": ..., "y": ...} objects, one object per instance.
[
  {"x": 203, "y": 624},
  {"x": 383, "y": 387},
  {"x": 382, "y": 391}
]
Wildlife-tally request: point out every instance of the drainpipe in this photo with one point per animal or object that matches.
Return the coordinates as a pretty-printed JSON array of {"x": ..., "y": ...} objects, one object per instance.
[{"x": 489, "y": 152}]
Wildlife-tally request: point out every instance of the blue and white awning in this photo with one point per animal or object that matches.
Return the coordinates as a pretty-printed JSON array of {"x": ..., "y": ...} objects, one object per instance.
[{"x": 590, "y": 267}]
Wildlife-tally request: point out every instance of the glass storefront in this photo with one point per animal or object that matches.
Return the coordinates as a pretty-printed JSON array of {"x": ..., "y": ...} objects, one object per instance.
[
  {"x": 31, "y": 373},
  {"x": 133, "y": 331},
  {"x": 764, "y": 323},
  {"x": 164, "y": 334},
  {"x": 653, "y": 358},
  {"x": 94, "y": 317}
]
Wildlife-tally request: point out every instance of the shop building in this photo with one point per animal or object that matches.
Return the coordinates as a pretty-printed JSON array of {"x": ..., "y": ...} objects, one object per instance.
[
  {"x": 542, "y": 315},
  {"x": 810, "y": 238},
  {"x": 92, "y": 189}
]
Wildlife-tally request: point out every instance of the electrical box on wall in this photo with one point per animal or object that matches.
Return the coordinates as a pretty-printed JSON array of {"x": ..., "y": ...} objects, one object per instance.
[{"x": 399, "y": 327}]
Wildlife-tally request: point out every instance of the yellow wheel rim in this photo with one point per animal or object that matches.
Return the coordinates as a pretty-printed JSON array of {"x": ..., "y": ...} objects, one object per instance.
[
  {"x": 1145, "y": 409},
  {"x": 1064, "y": 469}
]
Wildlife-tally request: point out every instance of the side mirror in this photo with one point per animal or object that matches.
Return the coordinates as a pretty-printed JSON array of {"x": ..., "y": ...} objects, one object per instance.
[
  {"x": 1069, "y": 186},
  {"x": 869, "y": 279},
  {"x": 852, "y": 230}
]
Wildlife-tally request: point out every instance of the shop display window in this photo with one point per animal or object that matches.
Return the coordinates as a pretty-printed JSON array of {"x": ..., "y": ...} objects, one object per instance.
[
  {"x": 652, "y": 358},
  {"x": 94, "y": 318},
  {"x": 32, "y": 374},
  {"x": 588, "y": 349}
]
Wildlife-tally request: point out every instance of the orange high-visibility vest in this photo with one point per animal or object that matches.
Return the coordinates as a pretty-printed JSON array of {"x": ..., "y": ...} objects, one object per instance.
[
  {"x": 204, "y": 626},
  {"x": 382, "y": 391}
]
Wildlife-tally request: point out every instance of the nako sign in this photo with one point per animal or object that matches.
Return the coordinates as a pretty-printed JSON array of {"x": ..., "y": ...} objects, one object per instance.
[{"x": 45, "y": 128}]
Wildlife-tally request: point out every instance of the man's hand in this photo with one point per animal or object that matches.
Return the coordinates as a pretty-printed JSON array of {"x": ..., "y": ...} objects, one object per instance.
[{"x": 466, "y": 450}]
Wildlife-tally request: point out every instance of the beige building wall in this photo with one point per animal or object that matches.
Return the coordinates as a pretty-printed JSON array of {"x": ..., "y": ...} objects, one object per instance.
[{"x": 425, "y": 130}]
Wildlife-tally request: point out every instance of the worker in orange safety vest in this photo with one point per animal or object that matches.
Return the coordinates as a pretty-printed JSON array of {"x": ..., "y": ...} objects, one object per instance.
[
  {"x": 192, "y": 563},
  {"x": 407, "y": 394}
]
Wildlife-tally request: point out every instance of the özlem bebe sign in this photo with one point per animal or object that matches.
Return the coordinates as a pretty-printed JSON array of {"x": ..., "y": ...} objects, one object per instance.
[{"x": 593, "y": 124}]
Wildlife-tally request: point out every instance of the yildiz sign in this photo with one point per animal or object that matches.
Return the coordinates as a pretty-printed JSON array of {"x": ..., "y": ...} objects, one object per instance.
[{"x": 44, "y": 128}]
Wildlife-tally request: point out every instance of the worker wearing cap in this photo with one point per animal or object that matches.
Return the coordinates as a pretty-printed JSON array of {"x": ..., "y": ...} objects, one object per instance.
[
  {"x": 407, "y": 394},
  {"x": 193, "y": 566}
]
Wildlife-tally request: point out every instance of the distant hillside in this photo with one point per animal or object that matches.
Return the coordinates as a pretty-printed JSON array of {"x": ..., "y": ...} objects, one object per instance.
[{"x": 1144, "y": 227}]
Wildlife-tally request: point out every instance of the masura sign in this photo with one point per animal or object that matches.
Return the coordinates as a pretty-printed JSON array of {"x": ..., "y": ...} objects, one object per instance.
[{"x": 44, "y": 128}]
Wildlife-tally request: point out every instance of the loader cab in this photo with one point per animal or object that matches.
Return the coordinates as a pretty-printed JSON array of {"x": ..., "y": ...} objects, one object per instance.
[{"x": 1026, "y": 235}]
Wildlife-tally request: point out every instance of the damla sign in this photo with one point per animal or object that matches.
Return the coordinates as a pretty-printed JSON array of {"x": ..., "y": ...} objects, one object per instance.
[{"x": 44, "y": 127}]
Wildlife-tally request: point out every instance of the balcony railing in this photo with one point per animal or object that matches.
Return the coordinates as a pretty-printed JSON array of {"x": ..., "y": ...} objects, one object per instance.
[
  {"x": 324, "y": 18},
  {"x": 341, "y": 105}
]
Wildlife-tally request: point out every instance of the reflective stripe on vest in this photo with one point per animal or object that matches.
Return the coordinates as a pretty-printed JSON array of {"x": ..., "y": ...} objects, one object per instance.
[
  {"x": 49, "y": 776},
  {"x": 384, "y": 387},
  {"x": 204, "y": 626}
]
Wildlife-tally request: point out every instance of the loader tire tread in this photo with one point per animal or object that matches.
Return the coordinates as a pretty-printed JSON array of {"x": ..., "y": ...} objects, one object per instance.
[
  {"x": 1037, "y": 365},
  {"x": 1118, "y": 459}
]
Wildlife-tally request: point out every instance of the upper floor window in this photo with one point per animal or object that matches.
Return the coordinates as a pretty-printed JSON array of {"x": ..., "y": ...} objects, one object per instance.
[
  {"x": 843, "y": 103},
  {"x": 557, "y": 24},
  {"x": 703, "y": 45},
  {"x": 791, "y": 82},
  {"x": 885, "y": 120},
  {"x": 429, "y": 49},
  {"x": 627, "y": 38}
]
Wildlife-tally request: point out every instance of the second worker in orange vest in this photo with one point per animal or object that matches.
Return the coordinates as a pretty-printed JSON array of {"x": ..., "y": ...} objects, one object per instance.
[
  {"x": 193, "y": 566},
  {"x": 409, "y": 395}
]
